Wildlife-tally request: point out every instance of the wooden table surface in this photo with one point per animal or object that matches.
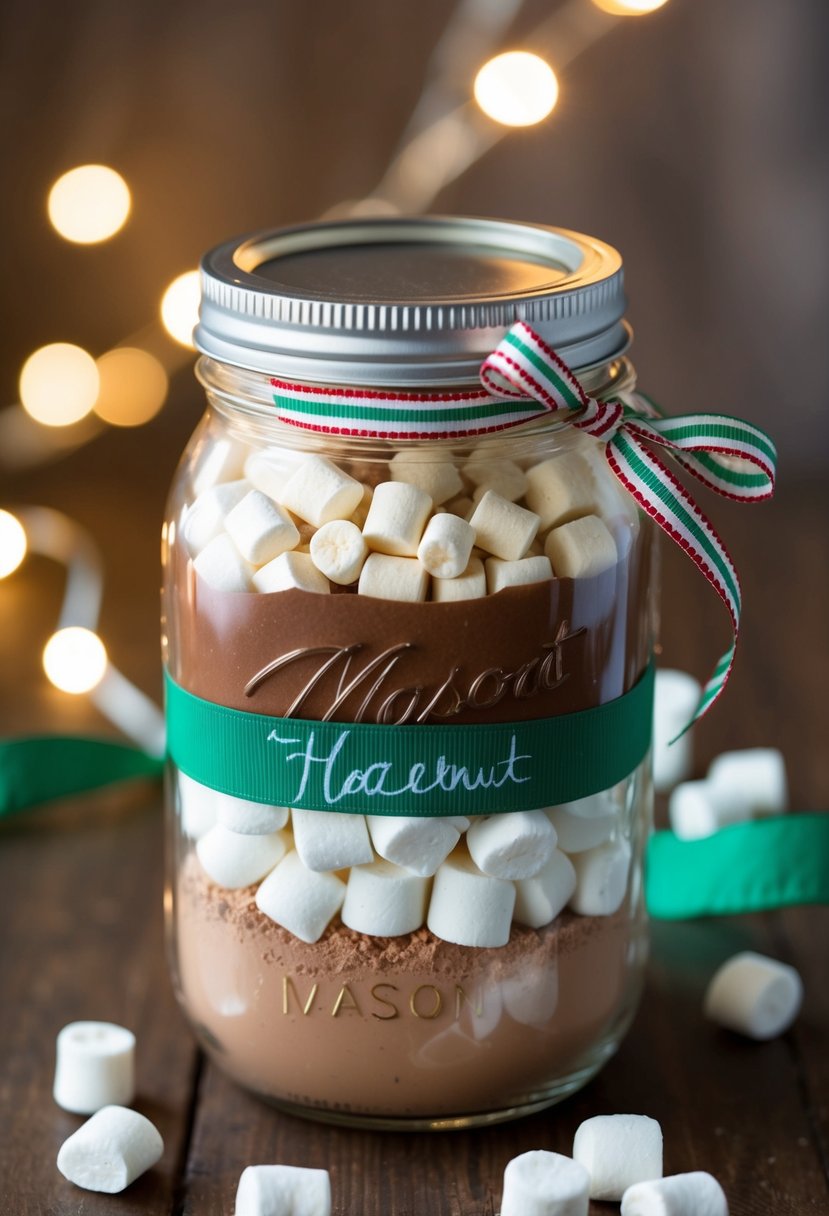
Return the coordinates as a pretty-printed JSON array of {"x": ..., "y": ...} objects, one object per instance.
[{"x": 81, "y": 904}]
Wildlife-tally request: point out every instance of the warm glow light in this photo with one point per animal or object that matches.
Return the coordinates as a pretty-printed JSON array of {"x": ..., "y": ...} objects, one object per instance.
[
  {"x": 12, "y": 543},
  {"x": 75, "y": 659},
  {"x": 133, "y": 386},
  {"x": 89, "y": 204},
  {"x": 629, "y": 8},
  {"x": 180, "y": 307},
  {"x": 516, "y": 89},
  {"x": 59, "y": 384}
]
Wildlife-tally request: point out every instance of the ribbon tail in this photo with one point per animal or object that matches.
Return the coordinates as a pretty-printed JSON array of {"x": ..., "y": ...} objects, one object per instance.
[{"x": 39, "y": 768}]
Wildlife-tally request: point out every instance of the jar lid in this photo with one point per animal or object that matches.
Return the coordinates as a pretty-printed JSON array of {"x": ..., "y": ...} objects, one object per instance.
[{"x": 409, "y": 301}]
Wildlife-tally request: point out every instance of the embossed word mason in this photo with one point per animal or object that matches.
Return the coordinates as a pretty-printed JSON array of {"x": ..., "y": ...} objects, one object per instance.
[{"x": 385, "y": 1001}]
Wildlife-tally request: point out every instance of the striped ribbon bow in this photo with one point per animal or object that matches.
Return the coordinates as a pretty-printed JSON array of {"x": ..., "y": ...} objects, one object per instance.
[{"x": 524, "y": 379}]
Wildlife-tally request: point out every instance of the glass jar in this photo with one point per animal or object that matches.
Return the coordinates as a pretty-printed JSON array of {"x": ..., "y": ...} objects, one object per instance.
[{"x": 371, "y": 920}]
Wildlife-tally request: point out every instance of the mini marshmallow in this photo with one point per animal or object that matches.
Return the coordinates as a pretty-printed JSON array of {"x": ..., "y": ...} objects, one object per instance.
[
  {"x": 235, "y": 861},
  {"x": 459, "y": 822},
  {"x": 418, "y": 844},
  {"x": 338, "y": 551},
  {"x": 260, "y": 528},
  {"x": 581, "y": 549},
  {"x": 95, "y": 1067},
  {"x": 560, "y": 489},
  {"x": 748, "y": 783},
  {"x": 676, "y": 696},
  {"x": 618, "y": 1151},
  {"x": 502, "y": 528},
  {"x": 283, "y": 1190},
  {"x": 578, "y": 833},
  {"x": 289, "y": 571},
  {"x": 205, "y": 519},
  {"x": 446, "y": 546},
  {"x": 692, "y": 811},
  {"x": 468, "y": 907},
  {"x": 317, "y": 491},
  {"x": 471, "y": 585},
  {"x": 434, "y": 473},
  {"x": 530, "y": 996},
  {"x": 384, "y": 900},
  {"x": 393, "y": 578},
  {"x": 539, "y": 1183},
  {"x": 396, "y": 518},
  {"x": 302, "y": 901},
  {"x": 514, "y": 845},
  {"x": 500, "y": 575},
  {"x": 329, "y": 840},
  {"x": 110, "y": 1151},
  {"x": 249, "y": 818},
  {"x": 223, "y": 461},
  {"x": 222, "y": 566},
  {"x": 695, "y": 1194},
  {"x": 601, "y": 879},
  {"x": 196, "y": 805},
  {"x": 505, "y": 477},
  {"x": 538, "y": 900},
  {"x": 754, "y": 995},
  {"x": 268, "y": 470}
]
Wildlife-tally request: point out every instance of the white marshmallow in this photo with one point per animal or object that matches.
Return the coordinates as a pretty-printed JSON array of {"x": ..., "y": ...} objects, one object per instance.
[
  {"x": 513, "y": 845},
  {"x": 249, "y": 818},
  {"x": 393, "y": 578},
  {"x": 676, "y": 696},
  {"x": 505, "y": 477},
  {"x": 695, "y": 1194},
  {"x": 463, "y": 506},
  {"x": 539, "y": 1183},
  {"x": 206, "y": 517},
  {"x": 300, "y": 900},
  {"x": 471, "y": 585},
  {"x": 560, "y": 489},
  {"x": 283, "y": 1190},
  {"x": 601, "y": 879},
  {"x": 396, "y": 518},
  {"x": 418, "y": 844},
  {"x": 433, "y": 472},
  {"x": 596, "y": 806},
  {"x": 110, "y": 1151},
  {"x": 468, "y": 907},
  {"x": 538, "y": 900},
  {"x": 754, "y": 995},
  {"x": 289, "y": 571},
  {"x": 328, "y": 840},
  {"x": 223, "y": 461},
  {"x": 459, "y": 822},
  {"x": 617, "y": 1151},
  {"x": 502, "y": 528},
  {"x": 338, "y": 551},
  {"x": 500, "y": 575},
  {"x": 222, "y": 566},
  {"x": 317, "y": 491},
  {"x": 531, "y": 995},
  {"x": 692, "y": 811},
  {"x": 446, "y": 546},
  {"x": 581, "y": 549},
  {"x": 577, "y": 833},
  {"x": 95, "y": 1067},
  {"x": 384, "y": 900},
  {"x": 268, "y": 470},
  {"x": 748, "y": 783},
  {"x": 360, "y": 513},
  {"x": 235, "y": 861},
  {"x": 260, "y": 528},
  {"x": 196, "y": 806}
]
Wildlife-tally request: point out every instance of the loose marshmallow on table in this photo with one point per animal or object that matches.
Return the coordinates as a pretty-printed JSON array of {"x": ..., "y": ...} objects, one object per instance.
[
  {"x": 396, "y": 518},
  {"x": 393, "y": 578},
  {"x": 560, "y": 489},
  {"x": 95, "y": 1067},
  {"x": 617, "y": 1151},
  {"x": 384, "y": 900},
  {"x": 581, "y": 549},
  {"x": 260, "y": 528},
  {"x": 695, "y": 1194},
  {"x": 197, "y": 806},
  {"x": 249, "y": 818},
  {"x": 291, "y": 571},
  {"x": 692, "y": 811},
  {"x": 601, "y": 879},
  {"x": 430, "y": 471},
  {"x": 283, "y": 1190},
  {"x": 205, "y": 519},
  {"x": 578, "y": 833},
  {"x": 446, "y": 546},
  {"x": 505, "y": 477},
  {"x": 500, "y": 574},
  {"x": 468, "y": 907},
  {"x": 317, "y": 491},
  {"x": 338, "y": 551},
  {"x": 754, "y": 995},
  {"x": 235, "y": 861},
  {"x": 502, "y": 528},
  {"x": 516, "y": 844},
  {"x": 329, "y": 840},
  {"x": 471, "y": 585},
  {"x": 747, "y": 783},
  {"x": 538, "y": 900},
  {"x": 223, "y": 461},
  {"x": 302, "y": 901},
  {"x": 539, "y": 1183},
  {"x": 418, "y": 844},
  {"x": 676, "y": 696},
  {"x": 110, "y": 1151},
  {"x": 222, "y": 566}
]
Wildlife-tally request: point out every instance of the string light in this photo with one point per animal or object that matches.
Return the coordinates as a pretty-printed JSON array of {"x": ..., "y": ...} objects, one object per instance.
[
  {"x": 180, "y": 307},
  {"x": 629, "y": 8},
  {"x": 75, "y": 659},
  {"x": 133, "y": 386},
  {"x": 12, "y": 543},
  {"x": 517, "y": 89},
  {"x": 89, "y": 204},
  {"x": 59, "y": 384}
]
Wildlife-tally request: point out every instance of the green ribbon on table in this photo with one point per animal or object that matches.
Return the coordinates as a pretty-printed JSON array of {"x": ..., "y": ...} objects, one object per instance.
[{"x": 39, "y": 768}]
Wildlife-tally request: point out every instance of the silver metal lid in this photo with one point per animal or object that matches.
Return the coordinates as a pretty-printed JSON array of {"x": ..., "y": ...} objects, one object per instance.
[{"x": 406, "y": 302}]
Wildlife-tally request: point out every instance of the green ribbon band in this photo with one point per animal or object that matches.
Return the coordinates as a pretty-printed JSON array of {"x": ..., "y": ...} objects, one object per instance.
[
  {"x": 38, "y": 768},
  {"x": 409, "y": 770}
]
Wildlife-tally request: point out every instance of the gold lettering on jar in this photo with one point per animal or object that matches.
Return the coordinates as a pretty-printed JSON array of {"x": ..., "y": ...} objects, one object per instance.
[
  {"x": 462, "y": 998},
  {"x": 288, "y": 989},
  {"x": 437, "y": 1002},
  {"x": 345, "y": 1000},
  {"x": 382, "y": 1000}
]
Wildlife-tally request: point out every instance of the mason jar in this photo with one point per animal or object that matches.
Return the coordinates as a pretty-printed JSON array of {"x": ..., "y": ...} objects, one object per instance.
[{"x": 407, "y": 631}]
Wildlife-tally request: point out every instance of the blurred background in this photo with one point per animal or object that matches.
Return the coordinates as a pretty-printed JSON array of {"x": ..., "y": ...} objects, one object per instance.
[{"x": 692, "y": 137}]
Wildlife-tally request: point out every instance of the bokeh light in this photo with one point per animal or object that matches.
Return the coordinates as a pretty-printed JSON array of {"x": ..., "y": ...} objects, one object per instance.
[
  {"x": 75, "y": 659},
  {"x": 517, "y": 89},
  {"x": 12, "y": 543},
  {"x": 133, "y": 385},
  {"x": 180, "y": 307},
  {"x": 89, "y": 204},
  {"x": 629, "y": 8},
  {"x": 59, "y": 384}
]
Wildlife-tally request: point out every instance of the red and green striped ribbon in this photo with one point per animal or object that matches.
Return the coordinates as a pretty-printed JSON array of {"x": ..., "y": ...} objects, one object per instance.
[{"x": 524, "y": 379}]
